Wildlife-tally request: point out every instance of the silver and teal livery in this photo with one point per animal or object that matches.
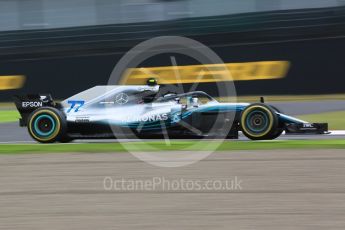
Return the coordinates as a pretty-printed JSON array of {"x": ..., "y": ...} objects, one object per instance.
[{"x": 143, "y": 111}]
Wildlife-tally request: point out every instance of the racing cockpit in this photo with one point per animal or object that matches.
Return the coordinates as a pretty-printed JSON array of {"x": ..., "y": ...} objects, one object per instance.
[{"x": 191, "y": 99}]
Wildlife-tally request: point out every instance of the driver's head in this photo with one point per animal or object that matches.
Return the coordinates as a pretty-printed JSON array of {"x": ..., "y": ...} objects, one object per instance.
[
  {"x": 151, "y": 82},
  {"x": 195, "y": 101}
]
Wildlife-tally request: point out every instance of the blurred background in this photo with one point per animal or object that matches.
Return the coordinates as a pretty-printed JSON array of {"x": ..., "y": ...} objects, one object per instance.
[
  {"x": 66, "y": 46},
  {"x": 47, "y": 14}
]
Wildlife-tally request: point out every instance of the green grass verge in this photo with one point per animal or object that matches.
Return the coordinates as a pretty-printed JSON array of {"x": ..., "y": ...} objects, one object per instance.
[
  {"x": 336, "y": 120},
  {"x": 175, "y": 145},
  {"x": 8, "y": 116},
  {"x": 7, "y": 105}
]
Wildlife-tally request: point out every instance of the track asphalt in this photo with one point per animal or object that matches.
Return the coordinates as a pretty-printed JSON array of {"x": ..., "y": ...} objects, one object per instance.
[{"x": 285, "y": 189}]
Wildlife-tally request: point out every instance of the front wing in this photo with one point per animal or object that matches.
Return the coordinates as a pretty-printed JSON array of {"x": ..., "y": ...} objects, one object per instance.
[{"x": 307, "y": 128}]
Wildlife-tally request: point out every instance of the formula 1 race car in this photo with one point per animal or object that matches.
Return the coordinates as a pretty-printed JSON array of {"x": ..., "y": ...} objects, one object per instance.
[{"x": 142, "y": 112}]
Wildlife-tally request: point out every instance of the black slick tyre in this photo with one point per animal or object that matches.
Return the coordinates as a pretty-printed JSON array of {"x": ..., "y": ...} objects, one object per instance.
[
  {"x": 260, "y": 122},
  {"x": 47, "y": 125}
]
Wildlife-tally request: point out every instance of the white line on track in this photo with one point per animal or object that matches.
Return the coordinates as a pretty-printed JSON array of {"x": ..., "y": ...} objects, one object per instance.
[
  {"x": 333, "y": 133},
  {"x": 17, "y": 142},
  {"x": 337, "y": 132}
]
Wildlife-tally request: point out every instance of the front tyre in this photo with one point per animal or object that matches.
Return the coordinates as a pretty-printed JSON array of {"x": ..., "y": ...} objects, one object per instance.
[
  {"x": 260, "y": 122},
  {"x": 47, "y": 125}
]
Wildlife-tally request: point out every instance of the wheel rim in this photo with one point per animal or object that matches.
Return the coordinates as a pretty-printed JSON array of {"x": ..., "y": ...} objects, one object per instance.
[
  {"x": 257, "y": 121},
  {"x": 44, "y": 125}
]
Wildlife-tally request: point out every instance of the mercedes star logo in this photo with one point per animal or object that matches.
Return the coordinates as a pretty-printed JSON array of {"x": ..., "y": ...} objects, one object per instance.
[{"x": 121, "y": 98}]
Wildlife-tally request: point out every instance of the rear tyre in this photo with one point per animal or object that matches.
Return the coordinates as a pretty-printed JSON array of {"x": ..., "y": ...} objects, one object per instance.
[
  {"x": 47, "y": 125},
  {"x": 260, "y": 122}
]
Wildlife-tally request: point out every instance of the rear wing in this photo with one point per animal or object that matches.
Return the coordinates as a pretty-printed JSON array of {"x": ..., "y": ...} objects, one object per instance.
[{"x": 28, "y": 103}]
